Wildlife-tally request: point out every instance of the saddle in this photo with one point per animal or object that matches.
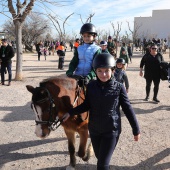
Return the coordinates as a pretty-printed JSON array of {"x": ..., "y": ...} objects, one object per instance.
[{"x": 80, "y": 89}]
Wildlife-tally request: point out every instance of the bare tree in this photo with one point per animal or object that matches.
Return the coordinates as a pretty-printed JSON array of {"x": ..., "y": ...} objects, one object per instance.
[
  {"x": 57, "y": 24},
  {"x": 19, "y": 11},
  {"x": 116, "y": 33},
  {"x": 89, "y": 18},
  {"x": 100, "y": 35},
  {"x": 114, "y": 30},
  {"x": 33, "y": 27},
  {"x": 134, "y": 32}
]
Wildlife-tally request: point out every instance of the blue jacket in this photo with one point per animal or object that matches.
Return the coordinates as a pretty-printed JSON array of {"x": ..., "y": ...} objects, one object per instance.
[
  {"x": 103, "y": 100},
  {"x": 85, "y": 54}
]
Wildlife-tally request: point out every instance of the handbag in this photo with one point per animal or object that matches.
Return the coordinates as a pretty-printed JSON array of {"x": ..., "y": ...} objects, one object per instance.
[{"x": 164, "y": 70}]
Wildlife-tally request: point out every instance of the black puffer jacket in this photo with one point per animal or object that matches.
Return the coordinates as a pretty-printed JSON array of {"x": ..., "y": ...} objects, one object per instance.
[
  {"x": 103, "y": 100},
  {"x": 9, "y": 53}
]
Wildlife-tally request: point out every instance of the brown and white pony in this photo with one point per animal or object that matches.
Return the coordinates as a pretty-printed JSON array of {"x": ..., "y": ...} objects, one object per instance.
[{"x": 50, "y": 102}]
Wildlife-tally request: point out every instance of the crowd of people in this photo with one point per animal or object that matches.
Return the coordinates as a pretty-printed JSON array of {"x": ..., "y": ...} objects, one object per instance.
[
  {"x": 143, "y": 45},
  {"x": 104, "y": 75}
]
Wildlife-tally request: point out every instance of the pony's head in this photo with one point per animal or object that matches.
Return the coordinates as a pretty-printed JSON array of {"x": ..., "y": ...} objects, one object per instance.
[{"x": 43, "y": 107}]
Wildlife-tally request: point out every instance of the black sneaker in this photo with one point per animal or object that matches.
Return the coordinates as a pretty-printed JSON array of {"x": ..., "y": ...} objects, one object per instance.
[
  {"x": 156, "y": 100},
  {"x": 146, "y": 99}
]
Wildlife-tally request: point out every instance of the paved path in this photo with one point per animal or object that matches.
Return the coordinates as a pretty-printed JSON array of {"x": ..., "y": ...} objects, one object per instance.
[{"x": 20, "y": 149}]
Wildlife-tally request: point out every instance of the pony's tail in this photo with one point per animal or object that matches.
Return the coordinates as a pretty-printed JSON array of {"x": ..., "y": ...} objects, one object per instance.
[{"x": 89, "y": 152}]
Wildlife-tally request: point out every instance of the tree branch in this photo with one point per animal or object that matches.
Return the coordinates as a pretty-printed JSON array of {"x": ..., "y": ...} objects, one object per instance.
[
  {"x": 65, "y": 22},
  {"x": 27, "y": 10},
  {"x": 81, "y": 19},
  {"x": 11, "y": 9}
]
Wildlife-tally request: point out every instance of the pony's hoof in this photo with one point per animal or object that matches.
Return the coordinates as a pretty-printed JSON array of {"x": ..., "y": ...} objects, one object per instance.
[
  {"x": 89, "y": 153},
  {"x": 70, "y": 168}
]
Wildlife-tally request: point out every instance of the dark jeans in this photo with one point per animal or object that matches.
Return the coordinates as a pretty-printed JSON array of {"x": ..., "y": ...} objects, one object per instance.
[
  {"x": 61, "y": 63},
  {"x": 3, "y": 71},
  {"x": 130, "y": 57},
  {"x": 104, "y": 146},
  {"x": 156, "y": 82},
  {"x": 39, "y": 54}
]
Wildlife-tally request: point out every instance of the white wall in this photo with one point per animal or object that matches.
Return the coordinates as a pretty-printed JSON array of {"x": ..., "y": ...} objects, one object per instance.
[
  {"x": 161, "y": 23},
  {"x": 157, "y": 26},
  {"x": 143, "y": 26}
]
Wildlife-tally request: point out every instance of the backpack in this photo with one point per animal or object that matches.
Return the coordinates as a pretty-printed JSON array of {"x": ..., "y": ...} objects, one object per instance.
[{"x": 61, "y": 53}]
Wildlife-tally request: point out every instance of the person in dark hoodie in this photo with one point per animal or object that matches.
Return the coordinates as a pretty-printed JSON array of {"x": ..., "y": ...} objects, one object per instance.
[
  {"x": 6, "y": 54},
  {"x": 103, "y": 99},
  {"x": 120, "y": 73}
]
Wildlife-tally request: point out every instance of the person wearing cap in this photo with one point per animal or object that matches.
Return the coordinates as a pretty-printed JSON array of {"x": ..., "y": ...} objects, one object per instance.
[
  {"x": 103, "y": 45},
  {"x": 6, "y": 54},
  {"x": 124, "y": 56},
  {"x": 103, "y": 100},
  {"x": 110, "y": 46},
  {"x": 81, "y": 63},
  {"x": 123, "y": 48}
]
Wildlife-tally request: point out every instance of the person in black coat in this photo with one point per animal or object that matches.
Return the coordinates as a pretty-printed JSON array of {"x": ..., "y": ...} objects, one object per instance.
[
  {"x": 39, "y": 48},
  {"x": 103, "y": 99},
  {"x": 6, "y": 54},
  {"x": 151, "y": 61}
]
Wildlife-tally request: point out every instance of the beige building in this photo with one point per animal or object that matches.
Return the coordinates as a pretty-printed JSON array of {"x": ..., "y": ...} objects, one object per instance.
[{"x": 156, "y": 26}]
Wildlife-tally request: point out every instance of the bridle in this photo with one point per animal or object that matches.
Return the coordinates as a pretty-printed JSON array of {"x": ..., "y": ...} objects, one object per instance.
[{"x": 53, "y": 124}]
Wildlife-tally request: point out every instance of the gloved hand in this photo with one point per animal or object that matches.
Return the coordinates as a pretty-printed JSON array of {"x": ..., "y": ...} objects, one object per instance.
[
  {"x": 69, "y": 75},
  {"x": 86, "y": 81},
  {"x": 83, "y": 81}
]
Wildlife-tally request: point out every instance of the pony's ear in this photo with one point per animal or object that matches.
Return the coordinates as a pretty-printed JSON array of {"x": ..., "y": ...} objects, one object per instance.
[{"x": 30, "y": 88}]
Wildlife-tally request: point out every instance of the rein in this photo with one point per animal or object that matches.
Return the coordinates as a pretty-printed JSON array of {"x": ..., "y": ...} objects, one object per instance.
[{"x": 77, "y": 96}]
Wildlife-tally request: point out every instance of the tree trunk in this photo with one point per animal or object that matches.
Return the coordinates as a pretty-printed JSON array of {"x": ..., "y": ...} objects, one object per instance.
[{"x": 18, "y": 30}]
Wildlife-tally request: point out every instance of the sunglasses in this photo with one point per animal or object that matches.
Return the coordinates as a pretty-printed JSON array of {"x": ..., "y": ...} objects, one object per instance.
[{"x": 154, "y": 48}]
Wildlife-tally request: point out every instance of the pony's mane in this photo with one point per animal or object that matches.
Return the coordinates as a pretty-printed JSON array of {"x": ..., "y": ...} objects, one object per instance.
[
  {"x": 60, "y": 77},
  {"x": 68, "y": 83}
]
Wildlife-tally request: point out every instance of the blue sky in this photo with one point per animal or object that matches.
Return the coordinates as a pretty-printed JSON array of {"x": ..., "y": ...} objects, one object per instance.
[{"x": 106, "y": 11}]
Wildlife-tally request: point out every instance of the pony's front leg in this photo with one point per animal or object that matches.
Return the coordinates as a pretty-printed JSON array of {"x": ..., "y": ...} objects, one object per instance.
[
  {"x": 83, "y": 142},
  {"x": 71, "y": 147}
]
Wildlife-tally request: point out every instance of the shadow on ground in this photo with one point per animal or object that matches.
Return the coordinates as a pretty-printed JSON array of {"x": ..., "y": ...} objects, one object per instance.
[
  {"x": 149, "y": 164},
  {"x": 18, "y": 113},
  {"x": 9, "y": 152}
]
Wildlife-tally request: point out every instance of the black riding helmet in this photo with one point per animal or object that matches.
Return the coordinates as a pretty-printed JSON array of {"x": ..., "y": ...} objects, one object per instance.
[
  {"x": 104, "y": 60},
  {"x": 88, "y": 28},
  {"x": 120, "y": 60}
]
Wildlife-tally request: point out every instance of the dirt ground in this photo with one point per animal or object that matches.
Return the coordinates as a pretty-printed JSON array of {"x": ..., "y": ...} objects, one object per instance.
[{"x": 20, "y": 149}]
